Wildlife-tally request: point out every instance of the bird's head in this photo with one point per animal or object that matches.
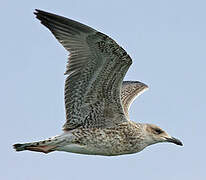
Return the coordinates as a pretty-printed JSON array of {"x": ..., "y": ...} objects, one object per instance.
[{"x": 155, "y": 134}]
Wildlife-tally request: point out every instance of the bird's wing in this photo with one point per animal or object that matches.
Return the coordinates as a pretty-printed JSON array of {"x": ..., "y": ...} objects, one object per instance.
[
  {"x": 130, "y": 90},
  {"x": 95, "y": 69}
]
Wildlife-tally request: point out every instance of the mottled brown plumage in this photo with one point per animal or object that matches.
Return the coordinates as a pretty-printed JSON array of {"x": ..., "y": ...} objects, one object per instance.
[{"x": 96, "y": 98}]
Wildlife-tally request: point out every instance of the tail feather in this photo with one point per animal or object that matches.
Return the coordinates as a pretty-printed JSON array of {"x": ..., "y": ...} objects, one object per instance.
[
  {"x": 21, "y": 147},
  {"x": 34, "y": 147},
  {"x": 44, "y": 146}
]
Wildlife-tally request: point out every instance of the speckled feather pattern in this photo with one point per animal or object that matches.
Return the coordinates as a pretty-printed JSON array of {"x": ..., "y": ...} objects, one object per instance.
[
  {"x": 94, "y": 102},
  {"x": 124, "y": 138},
  {"x": 97, "y": 100}
]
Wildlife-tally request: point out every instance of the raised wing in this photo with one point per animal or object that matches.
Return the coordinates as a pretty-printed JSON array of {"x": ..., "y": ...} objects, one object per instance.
[
  {"x": 96, "y": 68},
  {"x": 131, "y": 90}
]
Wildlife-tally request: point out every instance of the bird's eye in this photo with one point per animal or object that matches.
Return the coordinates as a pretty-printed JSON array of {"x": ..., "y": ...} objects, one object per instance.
[{"x": 158, "y": 131}]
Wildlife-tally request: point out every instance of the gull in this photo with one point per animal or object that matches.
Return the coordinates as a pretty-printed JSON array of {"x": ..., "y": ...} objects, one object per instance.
[{"x": 97, "y": 100}]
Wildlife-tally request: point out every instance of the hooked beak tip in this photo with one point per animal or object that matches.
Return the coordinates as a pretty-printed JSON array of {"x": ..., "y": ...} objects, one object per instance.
[{"x": 175, "y": 141}]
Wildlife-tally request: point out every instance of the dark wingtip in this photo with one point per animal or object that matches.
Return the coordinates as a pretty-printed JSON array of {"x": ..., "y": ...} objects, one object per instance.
[
  {"x": 53, "y": 21},
  {"x": 36, "y": 11},
  {"x": 39, "y": 13}
]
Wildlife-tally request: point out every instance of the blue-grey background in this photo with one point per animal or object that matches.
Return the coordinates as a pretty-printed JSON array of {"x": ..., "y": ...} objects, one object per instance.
[{"x": 167, "y": 42}]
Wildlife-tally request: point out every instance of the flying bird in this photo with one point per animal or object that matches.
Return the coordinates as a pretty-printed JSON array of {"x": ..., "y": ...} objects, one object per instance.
[{"x": 97, "y": 99}]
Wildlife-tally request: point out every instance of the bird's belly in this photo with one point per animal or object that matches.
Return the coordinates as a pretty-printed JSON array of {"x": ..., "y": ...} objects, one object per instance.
[
  {"x": 107, "y": 142},
  {"x": 92, "y": 150},
  {"x": 83, "y": 149}
]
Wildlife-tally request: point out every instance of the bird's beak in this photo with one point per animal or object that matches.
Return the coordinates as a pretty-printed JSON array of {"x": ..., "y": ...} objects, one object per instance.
[{"x": 174, "y": 140}]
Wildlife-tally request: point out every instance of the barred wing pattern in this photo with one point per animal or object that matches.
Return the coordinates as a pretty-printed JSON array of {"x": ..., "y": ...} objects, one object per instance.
[
  {"x": 96, "y": 68},
  {"x": 131, "y": 90}
]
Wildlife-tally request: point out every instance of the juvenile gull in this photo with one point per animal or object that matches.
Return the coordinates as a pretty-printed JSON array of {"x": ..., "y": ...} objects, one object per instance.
[{"x": 96, "y": 99}]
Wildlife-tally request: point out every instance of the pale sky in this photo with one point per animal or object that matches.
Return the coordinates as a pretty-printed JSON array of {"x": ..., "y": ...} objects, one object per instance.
[{"x": 167, "y": 42}]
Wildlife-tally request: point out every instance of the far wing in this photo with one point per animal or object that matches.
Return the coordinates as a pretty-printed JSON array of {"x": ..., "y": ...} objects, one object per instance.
[{"x": 130, "y": 90}]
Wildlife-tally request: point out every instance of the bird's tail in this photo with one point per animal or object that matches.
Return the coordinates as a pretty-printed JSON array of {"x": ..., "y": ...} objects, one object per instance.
[
  {"x": 21, "y": 147},
  {"x": 45, "y": 146}
]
